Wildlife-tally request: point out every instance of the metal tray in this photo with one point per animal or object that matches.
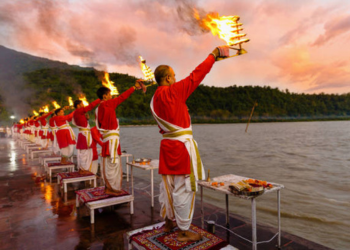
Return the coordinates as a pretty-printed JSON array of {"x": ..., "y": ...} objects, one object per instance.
[
  {"x": 245, "y": 193},
  {"x": 143, "y": 160}
]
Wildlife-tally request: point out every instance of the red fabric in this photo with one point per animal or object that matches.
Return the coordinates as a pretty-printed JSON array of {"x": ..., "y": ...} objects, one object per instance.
[
  {"x": 64, "y": 138},
  {"x": 42, "y": 119},
  {"x": 96, "y": 138},
  {"x": 81, "y": 121},
  {"x": 107, "y": 118},
  {"x": 97, "y": 193},
  {"x": 170, "y": 104},
  {"x": 52, "y": 121}
]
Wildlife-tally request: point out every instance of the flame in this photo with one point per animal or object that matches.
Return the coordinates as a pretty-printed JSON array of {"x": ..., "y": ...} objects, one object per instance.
[
  {"x": 226, "y": 27},
  {"x": 35, "y": 113},
  {"x": 54, "y": 103},
  {"x": 70, "y": 101},
  {"x": 109, "y": 84},
  {"x": 83, "y": 99},
  {"x": 46, "y": 108},
  {"x": 41, "y": 110},
  {"x": 21, "y": 121},
  {"x": 147, "y": 72}
]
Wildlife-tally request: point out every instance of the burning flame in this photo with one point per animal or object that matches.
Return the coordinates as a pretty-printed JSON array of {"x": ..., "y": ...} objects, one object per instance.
[
  {"x": 83, "y": 99},
  {"x": 147, "y": 72},
  {"x": 109, "y": 84},
  {"x": 41, "y": 110},
  {"x": 35, "y": 113},
  {"x": 226, "y": 27},
  {"x": 54, "y": 103},
  {"x": 70, "y": 101},
  {"x": 21, "y": 121},
  {"x": 46, "y": 108}
]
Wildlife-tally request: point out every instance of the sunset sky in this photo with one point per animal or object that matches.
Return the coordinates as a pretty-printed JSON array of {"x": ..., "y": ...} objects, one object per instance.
[{"x": 303, "y": 46}]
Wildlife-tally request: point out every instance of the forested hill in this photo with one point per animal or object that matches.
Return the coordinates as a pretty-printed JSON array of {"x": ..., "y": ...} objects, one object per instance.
[
  {"x": 28, "y": 82},
  {"x": 206, "y": 104}
]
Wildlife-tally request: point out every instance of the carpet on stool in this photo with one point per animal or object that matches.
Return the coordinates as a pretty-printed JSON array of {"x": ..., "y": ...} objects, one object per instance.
[
  {"x": 70, "y": 175},
  {"x": 59, "y": 164},
  {"x": 94, "y": 194},
  {"x": 157, "y": 239}
]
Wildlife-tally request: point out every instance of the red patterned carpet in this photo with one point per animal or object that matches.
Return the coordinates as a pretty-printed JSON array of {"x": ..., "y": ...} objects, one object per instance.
[
  {"x": 70, "y": 175},
  {"x": 157, "y": 239},
  {"x": 94, "y": 194}
]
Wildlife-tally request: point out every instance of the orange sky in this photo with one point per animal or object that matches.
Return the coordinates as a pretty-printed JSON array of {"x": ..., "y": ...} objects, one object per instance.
[{"x": 298, "y": 45}]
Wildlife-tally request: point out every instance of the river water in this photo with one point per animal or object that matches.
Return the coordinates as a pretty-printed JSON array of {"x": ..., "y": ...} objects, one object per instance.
[{"x": 311, "y": 159}]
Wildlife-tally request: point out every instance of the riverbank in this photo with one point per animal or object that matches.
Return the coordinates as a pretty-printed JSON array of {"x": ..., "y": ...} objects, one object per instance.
[{"x": 33, "y": 215}]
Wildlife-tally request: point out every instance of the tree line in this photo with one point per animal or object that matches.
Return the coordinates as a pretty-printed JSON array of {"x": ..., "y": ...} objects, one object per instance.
[{"x": 206, "y": 105}]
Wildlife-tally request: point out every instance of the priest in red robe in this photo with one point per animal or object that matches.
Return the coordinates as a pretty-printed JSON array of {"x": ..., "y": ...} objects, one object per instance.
[
  {"x": 107, "y": 123},
  {"x": 84, "y": 151},
  {"x": 65, "y": 135},
  {"x": 179, "y": 161}
]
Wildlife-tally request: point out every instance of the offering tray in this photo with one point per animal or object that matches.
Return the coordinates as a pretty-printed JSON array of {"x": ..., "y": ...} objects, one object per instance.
[
  {"x": 245, "y": 192},
  {"x": 143, "y": 160}
]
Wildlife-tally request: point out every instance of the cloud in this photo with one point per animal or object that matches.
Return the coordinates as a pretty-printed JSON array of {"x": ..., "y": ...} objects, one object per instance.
[
  {"x": 333, "y": 28},
  {"x": 110, "y": 35}
]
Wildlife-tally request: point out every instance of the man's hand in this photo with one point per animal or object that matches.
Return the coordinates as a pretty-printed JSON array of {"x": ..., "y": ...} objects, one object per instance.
[
  {"x": 221, "y": 51},
  {"x": 139, "y": 85}
]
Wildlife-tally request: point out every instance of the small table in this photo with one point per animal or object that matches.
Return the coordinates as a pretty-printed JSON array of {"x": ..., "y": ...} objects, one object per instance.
[
  {"x": 28, "y": 144},
  {"x": 154, "y": 164},
  {"x": 40, "y": 151},
  {"x": 105, "y": 202},
  {"x": 225, "y": 190},
  {"x": 127, "y": 167},
  {"x": 65, "y": 181},
  {"x": 70, "y": 166},
  {"x": 31, "y": 148},
  {"x": 43, "y": 160}
]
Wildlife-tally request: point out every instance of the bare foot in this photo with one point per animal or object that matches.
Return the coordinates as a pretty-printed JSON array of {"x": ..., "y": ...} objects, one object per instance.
[
  {"x": 112, "y": 192},
  {"x": 63, "y": 160},
  {"x": 169, "y": 225},
  {"x": 185, "y": 236},
  {"x": 82, "y": 171}
]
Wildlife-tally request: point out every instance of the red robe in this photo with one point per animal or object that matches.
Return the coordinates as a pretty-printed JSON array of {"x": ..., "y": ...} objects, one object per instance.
[
  {"x": 107, "y": 119},
  {"x": 96, "y": 138},
  {"x": 52, "y": 125},
  {"x": 42, "y": 121},
  {"x": 81, "y": 121},
  {"x": 64, "y": 138},
  {"x": 36, "y": 125},
  {"x": 169, "y": 103}
]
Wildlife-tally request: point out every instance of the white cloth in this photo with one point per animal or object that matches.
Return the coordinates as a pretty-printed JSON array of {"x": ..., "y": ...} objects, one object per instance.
[
  {"x": 94, "y": 167},
  {"x": 176, "y": 202},
  {"x": 67, "y": 151},
  {"x": 173, "y": 132},
  {"x": 112, "y": 136},
  {"x": 84, "y": 158},
  {"x": 112, "y": 173},
  {"x": 54, "y": 145}
]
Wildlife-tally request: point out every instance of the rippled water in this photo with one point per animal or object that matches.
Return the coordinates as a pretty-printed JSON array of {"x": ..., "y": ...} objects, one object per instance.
[{"x": 311, "y": 159}]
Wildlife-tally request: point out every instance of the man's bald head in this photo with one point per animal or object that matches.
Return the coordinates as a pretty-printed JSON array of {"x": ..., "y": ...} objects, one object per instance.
[{"x": 160, "y": 73}]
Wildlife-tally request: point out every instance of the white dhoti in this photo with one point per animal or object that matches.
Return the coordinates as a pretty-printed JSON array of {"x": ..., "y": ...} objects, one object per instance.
[
  {"x": 94, "y": 167},
  {"x": 112, "y": 173},
  {"x": 67, "y": 151},
  {"x": 176, "y": 202},
  {"x": 84, "y": 158}
]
